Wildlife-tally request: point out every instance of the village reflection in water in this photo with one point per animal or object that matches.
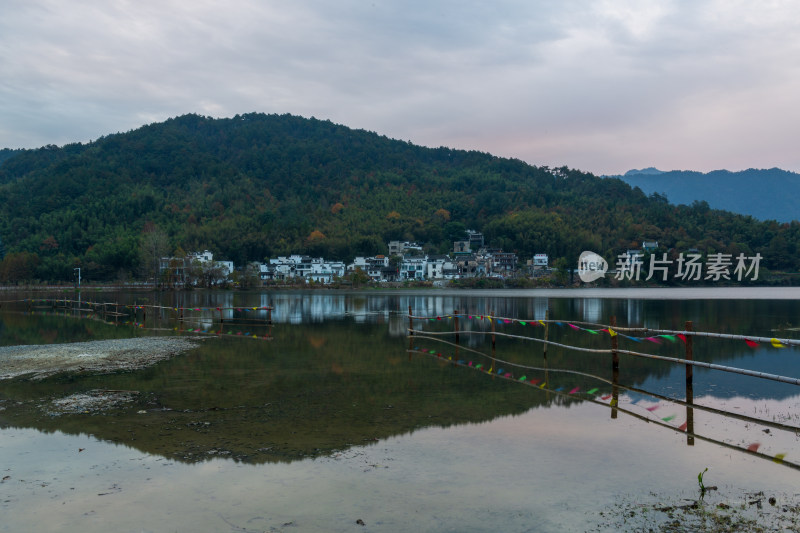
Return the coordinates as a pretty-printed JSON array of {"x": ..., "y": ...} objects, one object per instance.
[
  {"x": 329, "y": 387},
  {"x": 333, "y": 367}
]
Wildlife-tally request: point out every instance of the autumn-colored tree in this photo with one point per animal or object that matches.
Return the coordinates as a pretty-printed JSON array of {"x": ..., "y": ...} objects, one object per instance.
[
  {"x": 17, "y": 267},
  {"x": 442, "y": 214},
  {"x": 358, "y": 277},
  {"x": 315, "y": 236},
  {"x": 48, "y": 244}
]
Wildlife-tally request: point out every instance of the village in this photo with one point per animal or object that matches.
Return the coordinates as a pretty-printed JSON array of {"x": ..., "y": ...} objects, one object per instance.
[{"x": 405, "y": 262}]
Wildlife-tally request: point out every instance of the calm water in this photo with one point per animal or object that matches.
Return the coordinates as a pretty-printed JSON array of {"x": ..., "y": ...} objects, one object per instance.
[{"x": 325, "y": 417}]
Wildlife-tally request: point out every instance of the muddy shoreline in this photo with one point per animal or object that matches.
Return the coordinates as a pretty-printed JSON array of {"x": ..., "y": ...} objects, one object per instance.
[{"x": 42, "y": 360}]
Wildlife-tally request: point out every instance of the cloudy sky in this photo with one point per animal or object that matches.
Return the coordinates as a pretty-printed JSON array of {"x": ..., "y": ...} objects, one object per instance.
[{"x": 602, "y": 86}]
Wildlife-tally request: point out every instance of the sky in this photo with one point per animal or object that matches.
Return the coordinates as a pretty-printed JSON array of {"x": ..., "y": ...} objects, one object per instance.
[{"x": 602, "y": 86}]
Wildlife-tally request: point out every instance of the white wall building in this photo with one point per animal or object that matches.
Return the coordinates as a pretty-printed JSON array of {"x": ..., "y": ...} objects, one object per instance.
[
  {"x": 441, "y": 267},
  {"x": 413, "y": 268},
  {"x": 314, "y": 269},
  {"x": 375, "y": 267}
]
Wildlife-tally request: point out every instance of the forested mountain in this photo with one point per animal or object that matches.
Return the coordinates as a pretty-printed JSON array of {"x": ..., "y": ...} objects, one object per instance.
[
  {"x": 256, "y": 186},
  {"x": 765, "y": 194},
  {"x": 7, "y": 153}
]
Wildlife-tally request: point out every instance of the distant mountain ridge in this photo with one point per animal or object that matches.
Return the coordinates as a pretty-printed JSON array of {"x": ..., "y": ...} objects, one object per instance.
[
  {"x": 646, "y": 171},
  {"x": 766, "y": 194}
]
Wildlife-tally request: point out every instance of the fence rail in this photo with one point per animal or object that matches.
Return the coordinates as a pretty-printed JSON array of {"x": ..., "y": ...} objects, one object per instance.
[
  {"x": 613, "y": 333},
  {"x": 157, "y": 315}
]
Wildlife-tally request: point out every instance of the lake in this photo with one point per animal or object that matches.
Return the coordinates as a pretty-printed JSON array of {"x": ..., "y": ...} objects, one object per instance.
[{"x": 321, "y": 414}]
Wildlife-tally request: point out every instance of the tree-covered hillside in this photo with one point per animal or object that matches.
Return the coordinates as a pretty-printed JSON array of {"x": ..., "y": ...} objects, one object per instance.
[{"x": 257, "y": 186}]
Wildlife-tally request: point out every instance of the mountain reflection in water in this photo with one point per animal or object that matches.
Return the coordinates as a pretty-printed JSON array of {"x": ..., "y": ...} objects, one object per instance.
[
  {"x": 335, "y": 372},
  {"x": 327, "y": 418}
]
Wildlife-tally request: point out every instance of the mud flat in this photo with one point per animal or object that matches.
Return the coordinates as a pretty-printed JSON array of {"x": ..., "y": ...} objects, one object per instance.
[{"x": 42, "y": 360}]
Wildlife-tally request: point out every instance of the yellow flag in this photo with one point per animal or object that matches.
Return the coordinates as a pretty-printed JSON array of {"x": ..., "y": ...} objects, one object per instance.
[
  {"x": 612, "y": 332},
  {"x": 777, "y": 344}
]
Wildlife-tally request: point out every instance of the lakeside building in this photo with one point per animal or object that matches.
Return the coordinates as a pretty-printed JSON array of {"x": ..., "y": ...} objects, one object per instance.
[
  {"x": 377, "y": 267},
  {"x": 401, "y": 248},
  {"x": 196, "y": 268},
  {"x": 310, "y": 269},
  {"x": 411, "y": 264}
]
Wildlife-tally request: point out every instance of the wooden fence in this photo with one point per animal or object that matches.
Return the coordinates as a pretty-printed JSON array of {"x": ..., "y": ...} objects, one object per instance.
[{"x": 613, "y": 331}]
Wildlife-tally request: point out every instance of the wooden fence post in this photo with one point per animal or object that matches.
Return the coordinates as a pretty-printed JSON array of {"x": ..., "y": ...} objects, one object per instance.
[
  {"x": 410, "y": 332},
  {"x": 458, "y": 345},
  {"x": 689, "y": 386},
  {"x": 689, "y": 415},
  {"x": 455, "y": 316},
  {"x": 491, "y": 322},
  {"x": 546, "y": 331},
  {"x": 689, "y": 354},
  {"x": 494, "y": 341},
  {"x": 614, "y": 369},
  {"x": 544, "y": 352},
  {"x": 614, "y": 346}
]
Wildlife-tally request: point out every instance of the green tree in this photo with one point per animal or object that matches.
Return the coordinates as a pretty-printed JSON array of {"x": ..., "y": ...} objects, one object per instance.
[
  {"x": 358, "y": 277},
  {"x": 561, "y": 270},
  {"x": 153, "y": 245}
]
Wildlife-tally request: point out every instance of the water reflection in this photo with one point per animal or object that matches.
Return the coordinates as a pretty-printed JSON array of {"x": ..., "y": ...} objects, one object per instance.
[{"x": 336, "y": 371}]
